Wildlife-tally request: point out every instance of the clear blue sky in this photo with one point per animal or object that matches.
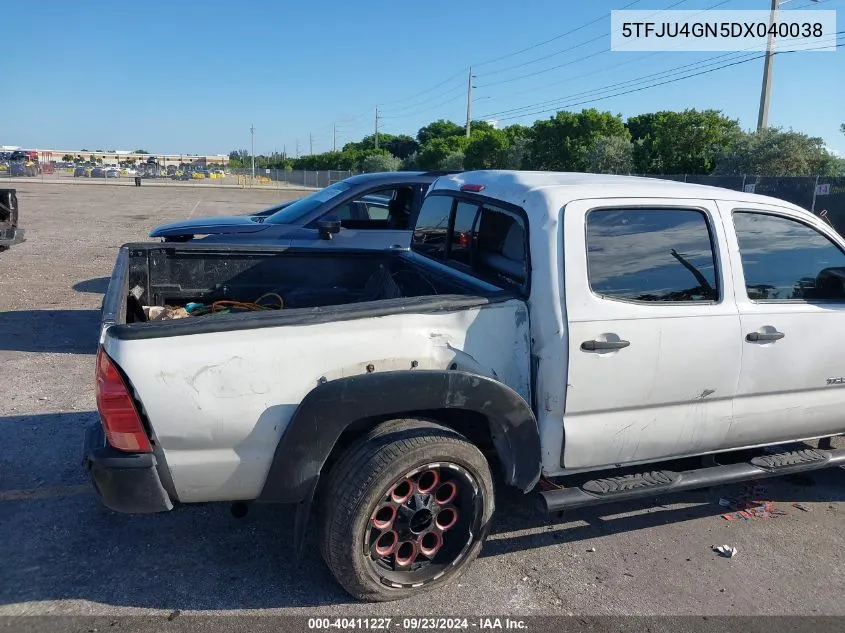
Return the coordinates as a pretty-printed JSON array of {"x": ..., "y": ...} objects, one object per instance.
[{"x": 191, "y": 76}]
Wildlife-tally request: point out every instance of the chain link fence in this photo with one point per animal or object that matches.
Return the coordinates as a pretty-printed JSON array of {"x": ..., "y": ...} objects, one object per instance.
[
  {"x": 169, "y": 174},
  {"x": 821, "y": 195}
]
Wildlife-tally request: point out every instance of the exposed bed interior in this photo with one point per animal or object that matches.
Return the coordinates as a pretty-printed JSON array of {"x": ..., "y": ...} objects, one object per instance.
[{"x": 177, "y": 277}]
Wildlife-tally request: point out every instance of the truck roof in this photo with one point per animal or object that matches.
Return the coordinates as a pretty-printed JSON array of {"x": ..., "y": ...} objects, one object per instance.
[{"x": 563, "y": 187}]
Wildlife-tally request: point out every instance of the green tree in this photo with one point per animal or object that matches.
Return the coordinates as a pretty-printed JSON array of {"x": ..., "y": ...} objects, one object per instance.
[
  {"x": 486, "y": 149},
  {"x": 611, "y": 155},
  {"x": 433, "y": 152},
  {"x": 842, "y": 128},
  {"x": 384, "y": 161},
  {"x": 67, "y": 158},
  {"x": 439, "y": 129},
  {"x": 411, "y": 162},
  {"x": 452, "y": 160},
  {"x": 687, "y": 142},
  {"x": 401, "y": 146},
  {"x": 563, "y": 142},
  {"x": 140, "y": 151},
  {"x": 773, "y": 152},
  {"x": 369, "y": 142},
  {"x": 516, "y": 156}
]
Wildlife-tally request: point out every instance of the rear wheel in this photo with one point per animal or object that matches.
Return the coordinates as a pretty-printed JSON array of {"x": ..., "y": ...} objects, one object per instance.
[{"x": 404, "y": 510}]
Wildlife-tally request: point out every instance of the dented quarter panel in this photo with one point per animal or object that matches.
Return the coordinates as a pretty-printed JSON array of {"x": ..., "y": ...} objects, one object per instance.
[{"x": 219, "y": 402}]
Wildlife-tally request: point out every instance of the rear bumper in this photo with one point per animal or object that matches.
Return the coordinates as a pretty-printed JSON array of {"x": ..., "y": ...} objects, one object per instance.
[
  {"x": 8, "y": 237},
  {"x": 125, "y": 482}
]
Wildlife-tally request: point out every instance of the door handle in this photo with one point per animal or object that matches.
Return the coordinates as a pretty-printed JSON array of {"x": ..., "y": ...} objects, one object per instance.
[
  {"x": 755, "y": 337},
  {"x": 591, "y": 346}
]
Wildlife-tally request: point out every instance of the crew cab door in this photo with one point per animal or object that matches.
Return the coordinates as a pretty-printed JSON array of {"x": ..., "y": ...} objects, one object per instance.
[
  {"x": 653, "y": 332},
  {"x": 789, "y": 274}
]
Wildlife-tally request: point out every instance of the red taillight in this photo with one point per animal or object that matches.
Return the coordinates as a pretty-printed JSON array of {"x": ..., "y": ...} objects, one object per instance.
[
  {"x": 124, "y": 430},
  {"x": 473, "y": 188},
  {"x": 463, "y": 239}
]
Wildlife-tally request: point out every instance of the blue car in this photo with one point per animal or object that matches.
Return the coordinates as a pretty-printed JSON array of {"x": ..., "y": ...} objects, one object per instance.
[{"x": 365, "y": 211}]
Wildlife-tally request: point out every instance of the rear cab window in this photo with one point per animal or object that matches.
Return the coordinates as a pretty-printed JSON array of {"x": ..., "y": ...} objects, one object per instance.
[{"x": 486, "y": 239}]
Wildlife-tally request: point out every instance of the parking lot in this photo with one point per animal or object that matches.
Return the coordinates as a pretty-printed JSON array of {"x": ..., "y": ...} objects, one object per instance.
[{"x": 61, "y": 552}]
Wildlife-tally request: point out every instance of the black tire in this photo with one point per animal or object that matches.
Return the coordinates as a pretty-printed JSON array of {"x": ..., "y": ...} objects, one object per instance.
[{"x": 368, "y": 472}]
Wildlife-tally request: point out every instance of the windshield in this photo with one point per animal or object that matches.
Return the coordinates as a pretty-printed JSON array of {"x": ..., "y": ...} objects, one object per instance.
[{"x": 300, "y": 208}]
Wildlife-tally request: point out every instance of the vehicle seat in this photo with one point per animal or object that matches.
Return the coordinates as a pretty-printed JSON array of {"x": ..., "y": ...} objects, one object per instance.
[
  {"x": 397, "y": 215},
  {"x": 510, "y": 261}
]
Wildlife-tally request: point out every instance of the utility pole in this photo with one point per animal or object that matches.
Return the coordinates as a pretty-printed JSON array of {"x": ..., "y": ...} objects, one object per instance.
[
  {"x": 766, "y": 90},
  {"x": 376, "y": 134},
  {"x": 285, "y": 150},
  {"x": 297, "y": 148},
  {"x": 310, "y": 144},
  {"x": 252, "y": 152},
  {"x": 469, "y": 100},
  {"x": 334, "y": 137}
]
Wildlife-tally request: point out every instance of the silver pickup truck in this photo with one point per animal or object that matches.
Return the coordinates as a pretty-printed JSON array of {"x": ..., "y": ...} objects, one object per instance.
[{"x": 553, "y": 327}]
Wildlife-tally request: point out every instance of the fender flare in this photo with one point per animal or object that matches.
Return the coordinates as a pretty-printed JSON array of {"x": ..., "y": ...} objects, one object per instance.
[{"x": 328, "y": 409}]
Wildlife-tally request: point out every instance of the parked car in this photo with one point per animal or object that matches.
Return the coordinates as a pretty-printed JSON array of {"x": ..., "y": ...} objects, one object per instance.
[
  {"x": 98, "y": 172},
  {"x": 551, "y": 325},
  {"x": 346, "y": 214}
]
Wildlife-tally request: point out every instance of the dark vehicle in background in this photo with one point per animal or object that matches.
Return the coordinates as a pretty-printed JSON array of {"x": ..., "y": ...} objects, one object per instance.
[
  {"x": 24, "y": 163},
  {"x": 98, "y": 172},
  {"x": 373, "y": 210},
  {"x": 80, "y": 171},
  {"x": 9, "y": 232}
]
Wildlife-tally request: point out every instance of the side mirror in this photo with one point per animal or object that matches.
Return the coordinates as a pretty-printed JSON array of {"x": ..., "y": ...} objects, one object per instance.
[{"x": 327, "y": 227}]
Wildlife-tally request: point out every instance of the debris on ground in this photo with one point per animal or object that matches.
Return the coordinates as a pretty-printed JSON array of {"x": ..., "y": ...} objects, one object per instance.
[
  {"x": 592, "y": 549},
  {"x": 748, "y": 505},
  {"x": 801, "y": 507},
  {"x": 725, "y": 550}
]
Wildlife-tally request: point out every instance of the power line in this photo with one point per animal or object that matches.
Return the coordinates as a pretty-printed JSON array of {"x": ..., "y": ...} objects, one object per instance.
[
  {"x": 669, "y": 71},
  {"x": 661, "y": 83},
  {"x": 427, "y": 109},
  {"x": 489, "y": 61},
  {"x": 553, "y": 39},
  {"x": 637, "y": 59},
  {"x": 454, "y": 90},
  {"x": 571, "y": 48},
  {"x": 445, "y": 81}
]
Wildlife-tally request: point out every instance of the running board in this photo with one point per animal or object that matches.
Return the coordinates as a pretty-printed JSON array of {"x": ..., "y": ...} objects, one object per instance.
[{"x": 661, "y": 482}]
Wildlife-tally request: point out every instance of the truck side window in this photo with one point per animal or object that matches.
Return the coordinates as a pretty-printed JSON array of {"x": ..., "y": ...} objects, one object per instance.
[
  {"x": 786, "y": 260},
  {"x": 432, "y": 226},
  {"x": 653, "y": 255}
]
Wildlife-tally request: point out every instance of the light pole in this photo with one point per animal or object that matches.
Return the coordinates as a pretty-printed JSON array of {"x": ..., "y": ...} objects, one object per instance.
[
  {"x": 252, "y": 150},
  {"x": 766, "y": 89}
]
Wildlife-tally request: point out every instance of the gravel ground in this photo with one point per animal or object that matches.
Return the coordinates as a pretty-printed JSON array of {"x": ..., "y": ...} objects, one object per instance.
[{"x": 62, "y": 553}]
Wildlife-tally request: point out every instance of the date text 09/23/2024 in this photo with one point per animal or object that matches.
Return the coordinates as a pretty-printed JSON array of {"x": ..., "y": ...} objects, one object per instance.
[{"x": 416, "y": 624}]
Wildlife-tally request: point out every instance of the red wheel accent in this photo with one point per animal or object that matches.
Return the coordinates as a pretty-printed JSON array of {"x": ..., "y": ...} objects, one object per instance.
[
  {"x": 446, "y": 518},
  {"x": 402, "y": 491},
  {"x": 427, "y": 481},
  {"x": 386, "y": 543},
  {"x": 430, "y": 543},
  {"x": 406, "y": 553},
  {"x": 446, "y": 493},
  {"x": 384, "y": 516}
]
